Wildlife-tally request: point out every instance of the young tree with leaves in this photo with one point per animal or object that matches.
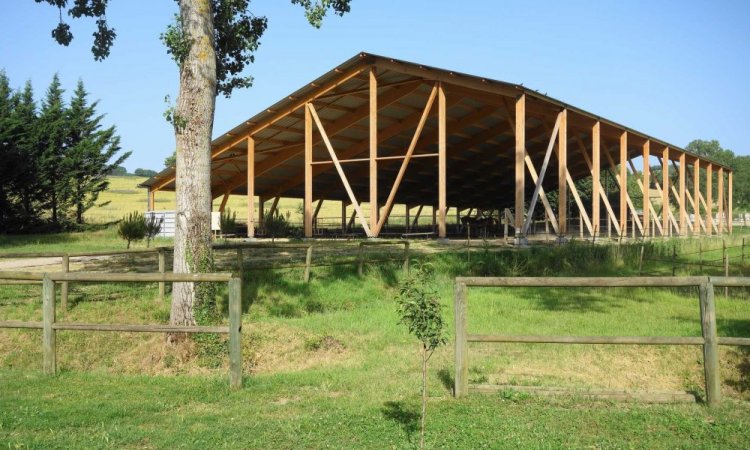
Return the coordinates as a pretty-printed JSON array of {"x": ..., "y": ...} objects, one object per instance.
[
  {"x": 212, "y": 41},
  {"x": 420, "y": 310}
]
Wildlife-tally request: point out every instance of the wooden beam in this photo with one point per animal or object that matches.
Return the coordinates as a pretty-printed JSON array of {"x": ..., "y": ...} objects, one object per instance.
[
  {"x": 596, "y": 141},
  {"x": 648, "y": 206},
  {"x": 547, "y": 207},
  {"x": 250, "y": 187},
  {"x": 720, "y": 187},
  {"x": 697, "y": 191},
  {"x": 308, "y": 173},
  {"x": 623, "y": 183},
  {"x": 665, "y": 207},
  {"x": 730, "y": 188},
  {"x": 151, "y": 199},
  {"x": 710, "y": 198},
  {"x": 223, "y": 202},
  {"x": 373, "y": 150},
  {"x": 603, "y": 198},
  {"x": 562, "y": 168},
  {"x": 620, "y": 180},
  {"x": 683, "y": 206},
  {"x": 405, "y": 162},
  {"x": 542, "y": 173},
  {"x": 520, "y": 154},
  {"x": 415, "y": 221},
  {"x": 645, "y": 187},
  {"x": 339, "y": 169},
  {"x": 442, "y": 162}
]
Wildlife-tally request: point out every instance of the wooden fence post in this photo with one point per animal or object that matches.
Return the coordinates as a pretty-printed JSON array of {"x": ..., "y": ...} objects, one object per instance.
[
  {"x": 235, "y": 330},
  {"x": 361, "y": 259},
  {"x": 64, "y": 284},
  {"x": 461, "y": 382},
  {"x": 711, "y": 344},
  {"x": 406, "y": 258},
  {"x": 162, "y": 269},
  {"x": 726, "y": 274},
  {"x": 308, "y": 262},
  {"x": 49, "y": 349}
]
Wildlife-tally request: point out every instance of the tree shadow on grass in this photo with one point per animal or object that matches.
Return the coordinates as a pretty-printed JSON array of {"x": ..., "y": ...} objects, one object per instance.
[
  {"x": 407, "y": 417},
  {"x": 446, "y": 379}
]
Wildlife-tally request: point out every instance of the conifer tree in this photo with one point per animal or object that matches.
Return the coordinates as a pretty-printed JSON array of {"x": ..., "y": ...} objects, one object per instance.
[
  {"x": 52, "y": 152},
  {"x": 89, "y": 149}
]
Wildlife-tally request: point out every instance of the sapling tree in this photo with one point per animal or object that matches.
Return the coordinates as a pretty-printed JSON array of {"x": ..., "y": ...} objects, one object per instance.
[
  {"x": 420, "y": 310},
  {"x": 132, "y": 227},
  {"x": 152, "y": 226}
]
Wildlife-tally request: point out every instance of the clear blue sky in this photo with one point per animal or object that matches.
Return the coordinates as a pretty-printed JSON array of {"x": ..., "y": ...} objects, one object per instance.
[{"x": 675, "y": 70}]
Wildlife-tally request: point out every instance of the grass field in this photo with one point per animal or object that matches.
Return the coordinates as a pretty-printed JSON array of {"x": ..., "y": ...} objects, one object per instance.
[{"x": 328, "y": 366}]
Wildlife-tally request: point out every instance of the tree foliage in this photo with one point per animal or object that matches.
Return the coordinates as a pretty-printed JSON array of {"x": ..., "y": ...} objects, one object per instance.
[
  {"x": 55, "y": 159},
  {"x": 132, "y": 227},
  {"x": 420, "y": 310}
]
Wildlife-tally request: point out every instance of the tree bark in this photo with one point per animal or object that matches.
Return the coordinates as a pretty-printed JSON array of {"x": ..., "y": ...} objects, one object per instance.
[{"x": 193, "y": 122}]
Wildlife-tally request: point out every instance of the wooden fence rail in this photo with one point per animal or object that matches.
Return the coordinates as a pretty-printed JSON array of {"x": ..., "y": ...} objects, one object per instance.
[
  {"x": 50, "y": 326},
  {"x": 709, "y": 339}
]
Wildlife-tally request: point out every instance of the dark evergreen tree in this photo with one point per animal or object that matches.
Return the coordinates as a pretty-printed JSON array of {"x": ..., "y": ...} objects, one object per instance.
[
  {"x": 7, "y": 151},
  {"x": 26, "y": 139},
  {"x": 88, "y": 151},
  {"x": 52, "y": 136}
]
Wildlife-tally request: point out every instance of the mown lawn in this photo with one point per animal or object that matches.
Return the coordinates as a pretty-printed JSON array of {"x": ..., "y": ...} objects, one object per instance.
[{"x": 328, "y": 366}]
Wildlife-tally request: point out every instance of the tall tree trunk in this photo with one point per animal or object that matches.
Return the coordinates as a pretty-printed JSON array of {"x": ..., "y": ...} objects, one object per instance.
[{"x": 193, "y": 121}]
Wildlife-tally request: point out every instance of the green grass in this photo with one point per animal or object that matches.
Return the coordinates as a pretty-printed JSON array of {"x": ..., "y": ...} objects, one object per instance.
[{"x": 326, "y": 365}]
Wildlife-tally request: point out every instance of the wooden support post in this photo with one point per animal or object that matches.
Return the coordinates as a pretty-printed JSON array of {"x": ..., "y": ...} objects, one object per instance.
[
  {"x": 374, "y": 151},
  {"x": 720, "y": 186},
  {"x": 442, "y": 163},
  {"x": 224, "y": 202},
  {"x": 683, "y": 205},
  {"x": 308, "y": 173},
  {"x": 711, "y": 344},
  {"x": 434, "y": 218},
  {"x": 730, "y": 211},
  {"x": 340, "y": 171},
  {"x": 646, "y": 188},
  {"x": 696, "y": 194},
  {"x": 710, "y": 224},
  {"x": 406, "y": 218},
  {"x": 520, "y": 155},
  {"x": 49, "y": 346},
  {"x": 562, "y": 170},
  {"x": 64, "y": 284},
  {"x": 624, "y": 184},
  {"x": 308, "y": 263},
  {"x": 595, "y": 177},
  {"x": 151, "y": 199},
  {"x": 162, "y": 269},
  {"x": 261, "y": 212},
  {"x": 343, "y": 216},
  {"x": 461, "y": 378},
  {"x": 540, "y": 177},
  {"x": 415, "y": 222},
  {"x": 665, "y": 226},
  {"x": 250, "y": 187},
  {"x": 240, "y": 262},
  {"x": 235, "y": 330}
]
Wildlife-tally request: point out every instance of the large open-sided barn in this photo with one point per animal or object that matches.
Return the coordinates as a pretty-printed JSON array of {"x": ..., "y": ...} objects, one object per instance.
[{"x": 385, "y": 132}]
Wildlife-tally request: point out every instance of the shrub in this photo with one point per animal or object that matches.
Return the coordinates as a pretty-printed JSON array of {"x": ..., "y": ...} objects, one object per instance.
[
  {"x": 132, "y": 227},
  {"x": 276, "y": 224},
  {"x": 227, "y": 221},
  {"x": 153, "y": 227}
]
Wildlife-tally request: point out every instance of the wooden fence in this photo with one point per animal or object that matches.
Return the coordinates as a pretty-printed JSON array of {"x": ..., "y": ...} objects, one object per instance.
[
  {"x": 709, "y": 339},
  {"x": 49, "y": 325},
  {"x": 241, "y": 251}
]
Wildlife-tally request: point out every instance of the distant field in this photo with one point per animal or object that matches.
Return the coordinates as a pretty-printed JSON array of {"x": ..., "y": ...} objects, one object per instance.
[{"x": 124, "y": 196}]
